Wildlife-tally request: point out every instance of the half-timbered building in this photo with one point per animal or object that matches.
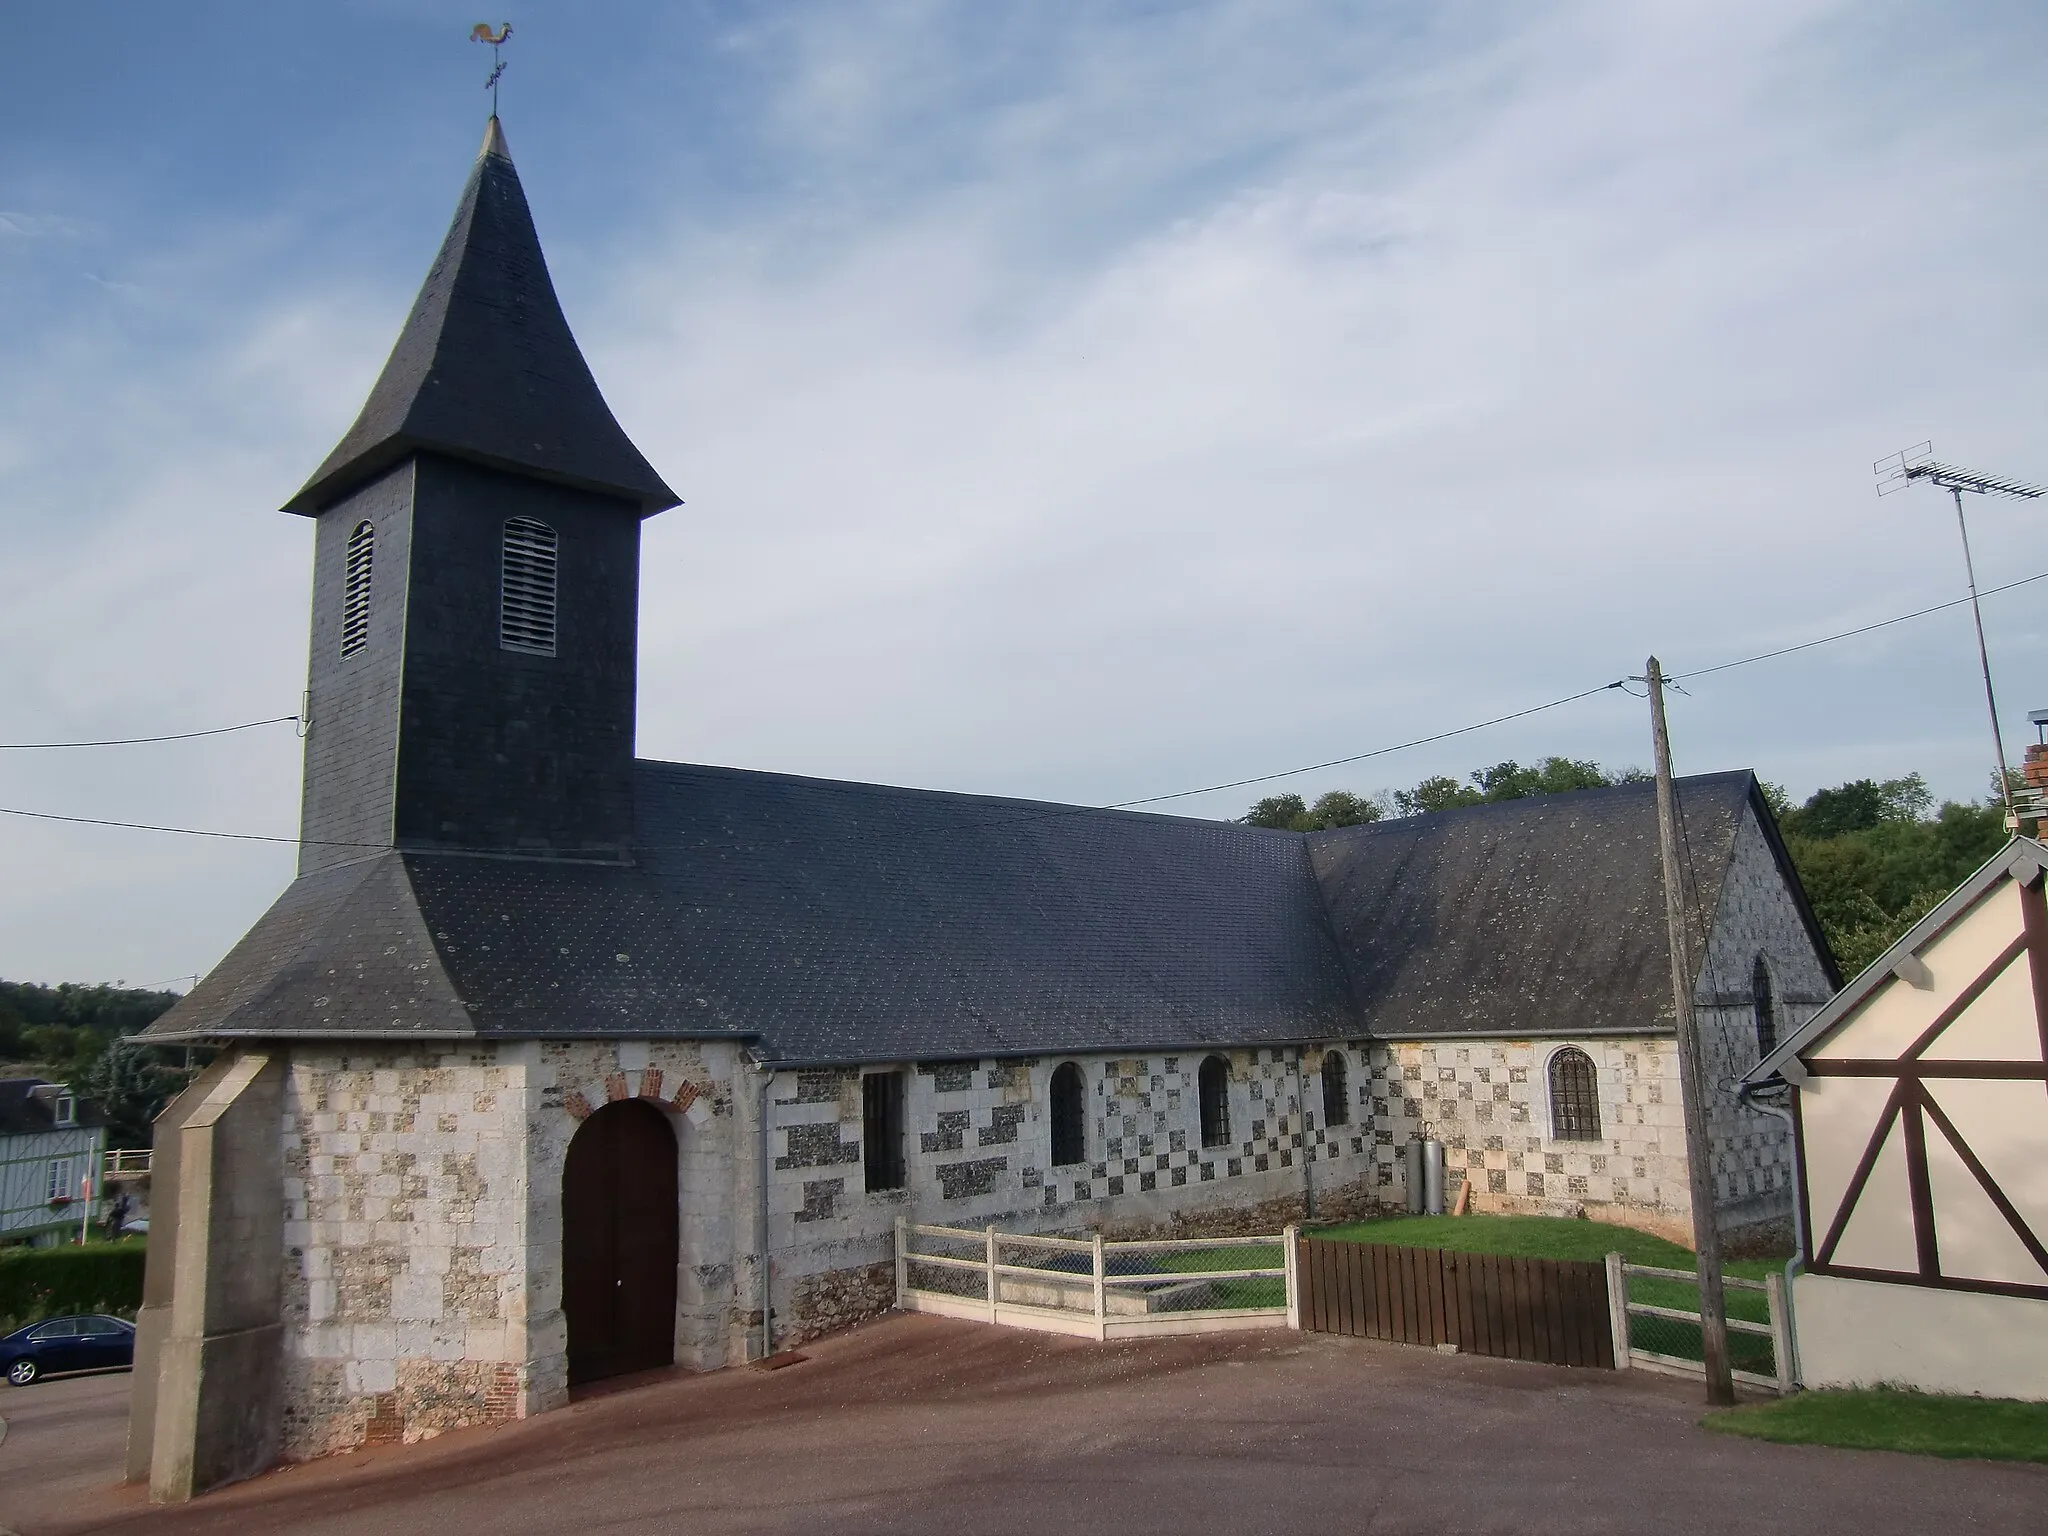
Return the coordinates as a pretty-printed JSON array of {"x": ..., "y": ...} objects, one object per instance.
[{"x": 1921, "y": 1099}]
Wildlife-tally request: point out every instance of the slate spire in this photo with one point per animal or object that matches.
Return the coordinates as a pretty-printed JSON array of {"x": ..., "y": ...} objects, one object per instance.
[{"x": 486, "y": 368}]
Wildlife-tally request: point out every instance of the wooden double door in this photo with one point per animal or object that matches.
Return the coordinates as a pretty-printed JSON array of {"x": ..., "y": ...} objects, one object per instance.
[{"x": 619, "y": 1242}]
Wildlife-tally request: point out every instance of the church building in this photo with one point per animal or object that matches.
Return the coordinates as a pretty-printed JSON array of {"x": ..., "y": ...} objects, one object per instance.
[{"x": 554, "y": 1064}]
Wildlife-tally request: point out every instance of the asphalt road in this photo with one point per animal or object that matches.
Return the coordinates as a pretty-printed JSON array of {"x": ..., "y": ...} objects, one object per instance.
[{"x": 923, "y": 1425}]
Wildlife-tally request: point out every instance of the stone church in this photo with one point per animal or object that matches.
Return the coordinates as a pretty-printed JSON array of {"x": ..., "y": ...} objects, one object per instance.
[{"x": 553, "y": 1063}]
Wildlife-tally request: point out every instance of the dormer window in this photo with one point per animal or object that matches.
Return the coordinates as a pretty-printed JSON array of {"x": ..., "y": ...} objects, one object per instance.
[
  {"x": 67, "y": 1109},
  {"x": 526, "y": 591},
  {"x": 355, "y": 590}
]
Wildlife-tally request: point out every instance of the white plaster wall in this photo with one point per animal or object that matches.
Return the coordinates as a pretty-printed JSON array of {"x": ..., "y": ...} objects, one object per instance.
[{"x": 1860, "y": 1333}]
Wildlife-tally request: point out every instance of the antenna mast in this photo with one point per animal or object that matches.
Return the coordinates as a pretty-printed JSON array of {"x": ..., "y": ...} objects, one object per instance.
[{"x": 1918, "y": 463}]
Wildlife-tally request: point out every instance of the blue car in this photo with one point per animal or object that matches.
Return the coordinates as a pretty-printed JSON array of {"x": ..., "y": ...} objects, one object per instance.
[{"x": 66, "y": 1344}]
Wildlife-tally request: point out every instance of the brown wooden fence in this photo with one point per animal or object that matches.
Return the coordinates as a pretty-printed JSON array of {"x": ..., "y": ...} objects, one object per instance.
[{"x": 1551, "y": 1310}]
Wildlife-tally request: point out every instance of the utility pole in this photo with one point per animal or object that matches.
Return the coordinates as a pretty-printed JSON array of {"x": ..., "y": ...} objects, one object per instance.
[{"x": 1706, "y": 1232}]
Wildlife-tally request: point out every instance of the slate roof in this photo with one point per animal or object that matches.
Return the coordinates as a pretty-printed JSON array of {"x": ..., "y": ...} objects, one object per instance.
[
  {"x": 486, "y": 368},
  {"x": 24, "y": 1112},
  {"x": 1537, "y": 915},
  {"x": 835, "y": 922}
]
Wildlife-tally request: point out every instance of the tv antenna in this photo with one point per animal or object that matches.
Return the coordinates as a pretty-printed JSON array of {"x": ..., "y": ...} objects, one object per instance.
[
  {"x": 1902, "y": 469},
  {"x": 482, "y": 33}
]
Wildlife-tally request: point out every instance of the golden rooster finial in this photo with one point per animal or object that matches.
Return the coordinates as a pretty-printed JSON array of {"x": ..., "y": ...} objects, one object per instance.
[{"x": 482, "y": 33}]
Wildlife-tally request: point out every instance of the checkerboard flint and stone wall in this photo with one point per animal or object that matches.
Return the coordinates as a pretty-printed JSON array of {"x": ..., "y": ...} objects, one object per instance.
[
  {"x": 1488, "y": 1100},
  {"x": 979, "y": 1152}
]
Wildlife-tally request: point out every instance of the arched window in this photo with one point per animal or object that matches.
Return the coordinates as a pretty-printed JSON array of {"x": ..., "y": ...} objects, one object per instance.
[
  {"x": 526, "y": 589},
  {"x": 355, "y": 589},
  {"x": 1069, "y": 1130},
  {"x": 1214, "y": 1092},
  {"x": 1574, "y": 1097},
  {"x": 1766, "y": 1008},
  {"x": 1336, "y": 1103}
]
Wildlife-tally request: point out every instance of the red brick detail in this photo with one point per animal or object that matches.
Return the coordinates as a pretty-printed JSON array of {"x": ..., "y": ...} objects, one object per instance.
[
  {"x": 577, "y": 1105},
  {"x": 386, "y": 1424},
  {"x": 685, "y": 1096},
  {"x": 501, "y": 1398},
  {"x": 2036, "y": 770},
  {"x": 650, "y": 1083},
  {"x": 615, "y": 1086}
]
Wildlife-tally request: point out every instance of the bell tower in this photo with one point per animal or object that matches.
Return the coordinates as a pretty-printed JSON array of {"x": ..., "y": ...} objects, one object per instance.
[{"x": 476, "y": 573}]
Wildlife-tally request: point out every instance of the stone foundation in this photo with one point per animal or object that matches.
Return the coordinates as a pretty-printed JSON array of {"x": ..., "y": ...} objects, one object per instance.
[{"x": 835, "y": 1299}]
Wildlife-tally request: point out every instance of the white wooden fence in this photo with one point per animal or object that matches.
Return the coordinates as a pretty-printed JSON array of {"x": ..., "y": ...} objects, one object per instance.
[
  {"x": 1095, "y": 1289},
  {"x": 1627, "y": 1353}
]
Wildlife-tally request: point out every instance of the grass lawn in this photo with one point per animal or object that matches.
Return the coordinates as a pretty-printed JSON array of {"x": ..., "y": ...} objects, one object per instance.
[
  {"x": 1257, "y": 1292},
  {"x": 1883, "y": 1420},
  {"x": 1556, "y": 1237}
]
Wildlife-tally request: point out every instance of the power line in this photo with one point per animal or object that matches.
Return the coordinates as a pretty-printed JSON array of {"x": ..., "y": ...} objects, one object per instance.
[
  {"x": 1807, "y": 645},
  {"x": 137, "y": 741},
  {"x": 1359, "y": 757},
  {"x": 1050, "y": 812}
]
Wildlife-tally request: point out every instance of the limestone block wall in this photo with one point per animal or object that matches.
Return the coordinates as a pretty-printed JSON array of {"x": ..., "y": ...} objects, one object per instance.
[
  {"x": 694, "y": 1083},
  {"x": 978, "y": 1151},
  {"x": 405, "y": 1232}
]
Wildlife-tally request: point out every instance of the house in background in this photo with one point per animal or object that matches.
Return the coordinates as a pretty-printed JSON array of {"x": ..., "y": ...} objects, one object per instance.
[
  {"x": 554, "y": 1063},
  {"x": 51, "y": 1144},
  {"x": 1920, "y": 1095}
]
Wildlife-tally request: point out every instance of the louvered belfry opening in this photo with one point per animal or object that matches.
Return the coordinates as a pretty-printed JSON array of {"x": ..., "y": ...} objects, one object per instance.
[
  {"x": 1574, "y": 1097},
  {"x": 526, "y": 609},
  {"x": 355, "y": 589}
]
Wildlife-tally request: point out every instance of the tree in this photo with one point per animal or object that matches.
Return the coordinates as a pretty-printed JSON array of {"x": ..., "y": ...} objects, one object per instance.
[
  {"x": 131, "y": 1083},
  {"x": 1290, "y": 813}
]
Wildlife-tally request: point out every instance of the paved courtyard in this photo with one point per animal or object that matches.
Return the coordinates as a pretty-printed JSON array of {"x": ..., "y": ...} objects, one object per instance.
[{"x": 923, "y": 1425}]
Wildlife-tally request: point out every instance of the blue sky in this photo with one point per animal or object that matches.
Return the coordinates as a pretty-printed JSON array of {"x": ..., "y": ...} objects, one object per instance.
[{"x": 1080, "y": 401}]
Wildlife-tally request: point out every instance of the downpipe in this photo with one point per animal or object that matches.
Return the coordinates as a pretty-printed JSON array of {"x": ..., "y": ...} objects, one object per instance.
[
  {"x": 1745, "y": 1095},
  {"x": 767, "y": 1074}
]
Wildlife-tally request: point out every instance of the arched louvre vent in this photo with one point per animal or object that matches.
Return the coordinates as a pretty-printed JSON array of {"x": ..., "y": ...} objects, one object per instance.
[
  {"x": 355, "y": 590},
  {"x": 526, "y": 608}
]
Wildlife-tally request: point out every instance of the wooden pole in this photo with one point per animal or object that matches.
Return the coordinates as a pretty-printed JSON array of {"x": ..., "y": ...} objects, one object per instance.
[{"x": 1706, "y": 1232}]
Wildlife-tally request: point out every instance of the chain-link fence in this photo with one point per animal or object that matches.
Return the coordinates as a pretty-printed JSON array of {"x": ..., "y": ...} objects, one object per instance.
[{"x": 1088, "y": 1286}]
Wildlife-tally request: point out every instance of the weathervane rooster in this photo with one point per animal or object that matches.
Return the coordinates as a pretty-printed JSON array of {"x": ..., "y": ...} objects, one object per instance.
[{"x": 482, "y": 33}]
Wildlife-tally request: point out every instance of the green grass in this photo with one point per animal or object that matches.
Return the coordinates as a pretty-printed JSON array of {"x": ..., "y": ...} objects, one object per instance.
[
  {"x": 1256, "y": 1292},
  {"x": 1881, "y": 1419},
  {"x": 1556, "y": 1237}
]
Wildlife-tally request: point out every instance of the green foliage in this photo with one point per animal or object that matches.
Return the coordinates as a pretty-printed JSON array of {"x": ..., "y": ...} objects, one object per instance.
[
  {"x": 1290, "y": 813},
  {"x": 1885, "y": 1419},
  {"x": 1874, "y": 862},
  {"x": 50, "y": 1282},
  {"x": 1532, "y": 1237},
  {"x": 68, "y": 1034},
  {"x": 1507, "y": 780}
]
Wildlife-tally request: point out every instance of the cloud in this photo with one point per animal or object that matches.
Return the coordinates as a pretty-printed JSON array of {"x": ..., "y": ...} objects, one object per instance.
[{"x": 1089, "y": 404}]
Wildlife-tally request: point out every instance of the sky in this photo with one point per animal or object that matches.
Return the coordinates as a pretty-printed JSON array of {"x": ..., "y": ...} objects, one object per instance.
[{"x": 1081, "y": 401}]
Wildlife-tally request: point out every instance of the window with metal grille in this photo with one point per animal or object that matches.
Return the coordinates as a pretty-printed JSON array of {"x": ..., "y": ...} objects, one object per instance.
[
  {"x": 526, "y": 588},
  {"x": 1069, "y": 1104},
  {"x": 1213, "y": 1086},
  {"x": 881, "y": 1129},
  {"x": 1766, "y": 1008},
  {"x": 355, "y": 589},
  {"x": 1336, "y": 1101},
  {"x": 1574, "y": 1097}
]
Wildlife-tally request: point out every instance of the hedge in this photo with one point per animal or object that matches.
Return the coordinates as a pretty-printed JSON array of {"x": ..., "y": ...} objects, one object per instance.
[{"x": 49, "y": 1282}]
